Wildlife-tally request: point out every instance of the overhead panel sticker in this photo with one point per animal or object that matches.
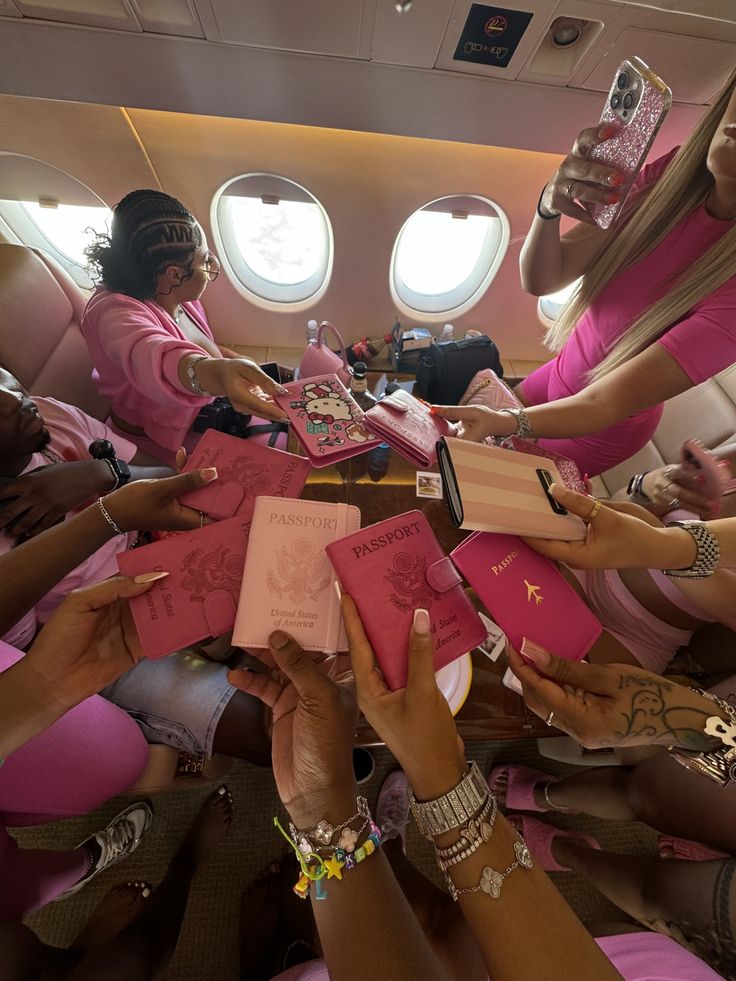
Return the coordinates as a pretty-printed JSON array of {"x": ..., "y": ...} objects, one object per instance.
[{"x": 491, "y": 35}]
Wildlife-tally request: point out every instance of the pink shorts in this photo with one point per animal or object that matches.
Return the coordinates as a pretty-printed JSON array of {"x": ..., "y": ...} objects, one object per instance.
[{"x": 652, "y": 641}]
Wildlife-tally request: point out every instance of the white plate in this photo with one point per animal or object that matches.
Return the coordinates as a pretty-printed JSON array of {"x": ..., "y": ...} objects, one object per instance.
[{"x": 454, "y": 681}]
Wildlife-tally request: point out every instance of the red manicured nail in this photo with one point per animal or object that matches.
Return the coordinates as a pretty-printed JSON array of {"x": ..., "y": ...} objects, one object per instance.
[
  {"x": 586, "y": 476},
  {"x": 613, "y": 198},
  {"x": 607, "y": 131},
  {"x": 434, "y": 410},
  {"x": 616, "y": 180}
]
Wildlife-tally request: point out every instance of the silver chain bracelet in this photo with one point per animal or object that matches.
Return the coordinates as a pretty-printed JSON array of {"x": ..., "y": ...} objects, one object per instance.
[{"x": 490, "y": 879}]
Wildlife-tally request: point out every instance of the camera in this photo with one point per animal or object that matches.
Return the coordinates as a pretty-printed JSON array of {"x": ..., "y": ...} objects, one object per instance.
[{"x": 221, "y": 416}]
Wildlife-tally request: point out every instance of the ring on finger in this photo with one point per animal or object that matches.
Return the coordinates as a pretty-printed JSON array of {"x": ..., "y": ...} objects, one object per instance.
[
  {"x": 548, "y": 720},
  {"x": 593, "y": 512},
  {"x": 201, "y": 519},
  {"x": 675, "y": 502},
  {"x": 568, "y": 189}
]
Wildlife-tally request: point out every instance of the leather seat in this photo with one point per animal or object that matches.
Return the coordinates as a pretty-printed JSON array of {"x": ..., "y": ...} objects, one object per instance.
[
  {"x": 42, "y": 345},
  {"x": 40, "y": 339},
  {"x": 706, "y": 412}
]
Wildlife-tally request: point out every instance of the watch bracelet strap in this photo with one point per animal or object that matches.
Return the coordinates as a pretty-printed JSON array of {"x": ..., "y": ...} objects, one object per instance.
[
  {"x": 115, "y": 474},
  {"x": 453, "y": 809},
  {"x": 708, "y": 552}
]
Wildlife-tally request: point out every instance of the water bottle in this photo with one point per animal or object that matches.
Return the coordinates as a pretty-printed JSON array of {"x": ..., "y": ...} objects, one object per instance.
[
  {"x": 447, "y": 333},
  {"x": 312, "y": 329},
  {"x": 469, "y": 334}
]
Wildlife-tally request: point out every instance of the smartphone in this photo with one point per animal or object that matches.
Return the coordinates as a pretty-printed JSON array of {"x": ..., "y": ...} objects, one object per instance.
[
  {"x": 637, "y": 105},
  {"x": 279, "y": 372},
  {"x": 712, "y": 476}
]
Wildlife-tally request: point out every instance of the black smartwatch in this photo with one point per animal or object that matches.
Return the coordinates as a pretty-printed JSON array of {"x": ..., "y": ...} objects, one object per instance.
[{"x": 102, "y": 449}]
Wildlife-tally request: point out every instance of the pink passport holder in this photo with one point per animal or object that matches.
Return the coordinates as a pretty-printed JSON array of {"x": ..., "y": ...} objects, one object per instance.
[
  {"x": 198, "y": 598},
  {"x": 245, "y": 470},
  {"x": 288, "y": 582},
  {"x": 326, "y": 420},
  {"x": 566, "y": 467},
  {"x": 394, "y": 567},
  {"x": 408, "y": 426},
  {"x": 526, "y": 595}
]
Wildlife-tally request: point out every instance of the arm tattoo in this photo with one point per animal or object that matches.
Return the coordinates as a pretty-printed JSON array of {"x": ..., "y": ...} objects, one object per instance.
[{"x": 657, "y": 714}]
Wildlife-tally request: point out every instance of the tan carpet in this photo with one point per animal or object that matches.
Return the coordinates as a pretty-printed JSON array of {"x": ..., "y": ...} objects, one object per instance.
[{"x": 208, "y": 949}]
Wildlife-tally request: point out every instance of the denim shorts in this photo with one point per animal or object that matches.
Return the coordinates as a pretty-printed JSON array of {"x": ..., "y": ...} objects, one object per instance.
[{"x": 177, "y": 700}]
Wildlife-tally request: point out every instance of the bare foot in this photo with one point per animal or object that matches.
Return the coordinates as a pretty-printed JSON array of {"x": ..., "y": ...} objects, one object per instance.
[
  {"x": 211, "y": 824},
  {"x": 260, "y": 914},
  {"x": 501, "y": 785},
  {"x": 114, "y": 912}
]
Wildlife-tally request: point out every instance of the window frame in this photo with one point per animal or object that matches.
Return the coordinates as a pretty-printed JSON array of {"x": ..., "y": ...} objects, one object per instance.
[
  {"x": 453, "y": 308},
  {"x": 224, "y": 240}
]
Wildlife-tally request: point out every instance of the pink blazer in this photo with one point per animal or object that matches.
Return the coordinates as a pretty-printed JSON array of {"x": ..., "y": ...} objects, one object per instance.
[{"x": 136, "y": 348}]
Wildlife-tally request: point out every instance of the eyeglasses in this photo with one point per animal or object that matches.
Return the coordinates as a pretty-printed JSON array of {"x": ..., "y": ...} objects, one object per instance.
[{"x": 211, "y": 267}]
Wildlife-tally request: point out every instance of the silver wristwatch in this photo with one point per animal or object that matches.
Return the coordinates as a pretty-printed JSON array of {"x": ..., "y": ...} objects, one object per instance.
[
  {"x": 708, "y": 556},
  {"x": 523, "y": 426},
  {"x": 719, "y": 764},
  {"x": 455, "y": 808}
]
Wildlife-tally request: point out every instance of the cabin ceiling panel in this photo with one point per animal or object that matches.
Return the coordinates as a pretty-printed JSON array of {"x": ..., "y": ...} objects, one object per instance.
[
  {"x": 177, "y": 17},
  {"x": 8, "y": 9},
  {"x": 116, "y": 14},
  {"x": 410, "y": 38},
  {"x": 325, "y": 27},
  {"x": 95, "y": 144}
]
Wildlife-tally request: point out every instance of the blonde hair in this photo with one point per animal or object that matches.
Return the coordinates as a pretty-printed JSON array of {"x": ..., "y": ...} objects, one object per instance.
[{"x": 685, "y": 184}]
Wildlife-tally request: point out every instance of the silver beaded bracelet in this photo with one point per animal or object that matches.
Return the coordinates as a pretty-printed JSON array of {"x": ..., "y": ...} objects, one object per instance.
[
  {"x": 193, "y": 383},
  {"x": 477, "y": 832}
]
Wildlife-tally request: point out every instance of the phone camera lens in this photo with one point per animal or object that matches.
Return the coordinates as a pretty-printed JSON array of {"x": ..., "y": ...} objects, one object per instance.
[
  {"x": 615, "y": 100},
  {"x": 628, "y": 100},
  {"x": 623, "y": 80}
]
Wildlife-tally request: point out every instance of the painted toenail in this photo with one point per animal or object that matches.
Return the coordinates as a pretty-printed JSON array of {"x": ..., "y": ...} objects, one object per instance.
[
  {"x": 146, "y": 892},
  {"x": 222, "y": 790}
]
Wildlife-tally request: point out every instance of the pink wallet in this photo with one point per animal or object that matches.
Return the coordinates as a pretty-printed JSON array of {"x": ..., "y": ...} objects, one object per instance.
[
  {"x": 245, "y": 470},
  {"x": 288, "y": 582},
  {"x": 198, "y": 598},
  {"x": 567, "y": 468},
  {"x": 408, "y": 426},
  {"x": 526, "y": 595},
  {"x": 326, "y": 420},
  {"x": 392, "y": 568}
]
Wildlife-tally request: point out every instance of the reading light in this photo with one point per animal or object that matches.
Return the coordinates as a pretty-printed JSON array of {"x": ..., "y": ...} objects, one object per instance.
[
  {"x": 402, "y": 6},
  {"x": 566, "y": 31},
  {"x": 48, "y": 203}
]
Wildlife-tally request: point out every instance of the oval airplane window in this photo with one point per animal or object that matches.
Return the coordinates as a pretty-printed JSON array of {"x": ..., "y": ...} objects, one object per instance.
[
  {"x": 275, "y": 240},
  {"x": 446, "y": 255},
  {"x": 550, "y": 306},
  {"x": 46, "y": 208}
]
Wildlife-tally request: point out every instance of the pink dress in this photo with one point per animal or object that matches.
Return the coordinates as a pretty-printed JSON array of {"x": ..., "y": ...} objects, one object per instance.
[
  {"x": 136, "y": 348},
  {"x": 702, "y": 343},
  {"x": 71, "y": 432}
]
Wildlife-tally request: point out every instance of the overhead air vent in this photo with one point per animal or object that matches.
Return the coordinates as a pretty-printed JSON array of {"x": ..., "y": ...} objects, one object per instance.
[{"x": 563, "y": 47}]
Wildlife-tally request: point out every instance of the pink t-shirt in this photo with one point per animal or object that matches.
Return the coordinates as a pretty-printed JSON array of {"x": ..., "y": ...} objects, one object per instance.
[
  {"x": 136, "y": 348},
  {"x": 702, "y": 343},
  {"x": 71, "y": 433}
]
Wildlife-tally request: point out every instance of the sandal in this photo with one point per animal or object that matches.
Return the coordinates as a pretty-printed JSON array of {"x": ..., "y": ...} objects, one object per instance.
[
  {"x": 670, "y": 846},
  {"x": 539, "y": 837},
  {"x": 520, "y": 784}
]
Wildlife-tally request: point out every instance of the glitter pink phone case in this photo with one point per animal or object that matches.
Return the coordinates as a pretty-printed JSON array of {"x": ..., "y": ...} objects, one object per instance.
[{"x": 638, "y": 127}]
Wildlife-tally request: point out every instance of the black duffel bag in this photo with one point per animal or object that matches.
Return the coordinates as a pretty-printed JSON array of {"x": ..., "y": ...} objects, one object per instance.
[{"x": 444, "y": 371}]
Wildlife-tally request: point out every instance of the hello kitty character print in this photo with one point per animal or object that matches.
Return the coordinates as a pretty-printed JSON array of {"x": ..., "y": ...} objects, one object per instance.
[{"x": 330, "y": 414}]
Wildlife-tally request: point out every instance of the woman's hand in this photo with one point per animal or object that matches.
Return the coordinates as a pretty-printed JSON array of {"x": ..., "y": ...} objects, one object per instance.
[
  {"x": 616, "y": 539},
  {"x": 248, "y": 388},
  {"x": 152, "y": 505},
  {"x": 612, "y": 704},
  {"x": 477, "y": 421},
  {"x": 577, "y": 178},
  {"x": 88, "y": 642},
  {"x": 313, "y": 734},
  {"x": 415, "y": 722},
  {"x": 674, "y": 486}
]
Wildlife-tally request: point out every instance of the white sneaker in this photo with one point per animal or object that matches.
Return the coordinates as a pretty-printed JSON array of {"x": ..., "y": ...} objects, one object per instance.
[{"x": 118, "y": 840}]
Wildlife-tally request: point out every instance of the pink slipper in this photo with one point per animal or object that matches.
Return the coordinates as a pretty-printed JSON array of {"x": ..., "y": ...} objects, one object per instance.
[
  {"x": 670, "y": 846},
  {"x": 539, "y": 837},
  {"x": 520, "y": 784}
]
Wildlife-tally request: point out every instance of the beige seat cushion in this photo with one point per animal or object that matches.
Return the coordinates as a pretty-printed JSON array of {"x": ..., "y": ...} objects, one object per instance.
[
  {"x": 706, "y": 412},
  {"x": 40, "y": 340}
]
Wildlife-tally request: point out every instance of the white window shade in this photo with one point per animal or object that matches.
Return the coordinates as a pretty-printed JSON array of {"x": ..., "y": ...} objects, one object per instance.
[
  {"x": 446, "y": 256},
  {"x": 274, "y": 239}
]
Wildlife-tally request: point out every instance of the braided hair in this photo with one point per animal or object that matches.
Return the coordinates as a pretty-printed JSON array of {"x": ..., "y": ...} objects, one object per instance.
[{"x": 150, "y": 230}]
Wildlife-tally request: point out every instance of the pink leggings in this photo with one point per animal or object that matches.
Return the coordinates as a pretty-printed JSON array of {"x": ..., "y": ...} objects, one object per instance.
[{"x": 93, "y": 753}]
